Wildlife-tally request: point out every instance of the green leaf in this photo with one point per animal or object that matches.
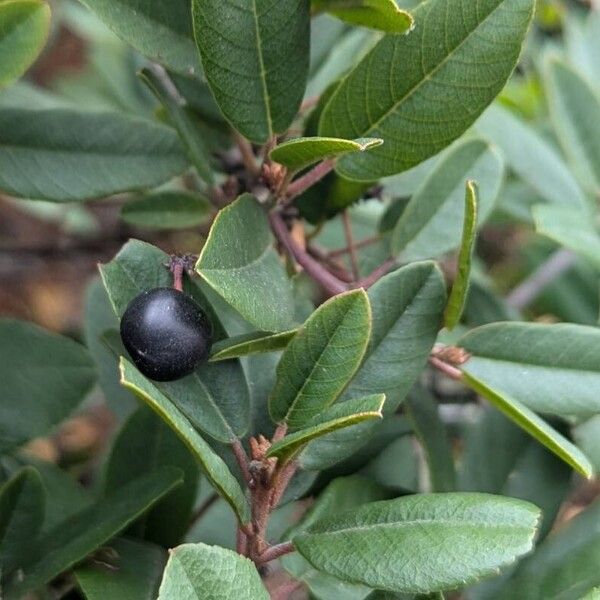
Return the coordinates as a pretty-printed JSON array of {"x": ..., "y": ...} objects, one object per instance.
[
  {"x": 99, "y": 317},
  {"x": 145, "y": 444},
  {"x": 323, "y": 356},
  {"x": 592, "y": 595},
  {"x": 552, "y": 369},
  {"x": 136, "y": 574},
  {"x": 22, "y": 500},
  {"x": 74, "y": 155},
  {"x": 74, "y": 539},
  {"x": 255, "y": 60},
  {"x": 162, "y": 32},
  {"x": 336, "y": 417},
  {"x": 167, "y": 210},
  {"x": 432, "y": 222},
  {"x": 531, "y": 157},
  {"x": 575, "y": 112},
  {"x": 341, "y": 494},
  {"x": 24, "y": 27},
  {"x": 407, "y": 307},
  {"x": 250, "y": 343},
  {"x": 421, "y": 543},
  {"x": 422, "y": 410},
  {"x": 531, "y": 423},
  {"x": 571, "y": 229},
  {"x": 201, "y": 572},
  {"x": 439, "y": 91},
  {"x": 299, "y": 153},
  {"x": 563, "y": 566},
  {"x": 383, "y": 15},
  {"x": 211, "y": 464},
  {"x": 181, "y": 120},
  {"x": 239, "y": 263},
  {"x": 460, "y": 287},
  {"x": 44, "y": 377}
]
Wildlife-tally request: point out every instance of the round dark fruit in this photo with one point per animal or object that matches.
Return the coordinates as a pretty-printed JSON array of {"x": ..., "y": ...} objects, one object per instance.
[{"x": 166, "y": 333}]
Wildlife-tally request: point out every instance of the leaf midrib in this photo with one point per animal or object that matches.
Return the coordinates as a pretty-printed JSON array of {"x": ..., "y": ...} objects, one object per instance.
[{"x": 263, "y": 72}]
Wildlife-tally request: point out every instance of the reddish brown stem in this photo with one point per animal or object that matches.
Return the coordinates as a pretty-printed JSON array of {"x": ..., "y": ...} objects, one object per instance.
[
  {"x": 357, "y": 245},
  {"x": 248, "y": 157},
  {"x": 280, "y": 432},
  {"x": 445, "y": 368},
  {"x": 285, "y": 590},
  {"x": 331, "y": 284},
  {"x": 350, "y": 244},
  {"x": 377, "y": 274},
  {"x": 300, "y": 185},
  {"x": 281, "y": 481},
  {"x": 241, "y": 542},
  {"x": 177, "y": 270},
  {"x": 242, "y": 459},
  {"x": 334, "y": 267},
  {"x": 274, "y": 552}
]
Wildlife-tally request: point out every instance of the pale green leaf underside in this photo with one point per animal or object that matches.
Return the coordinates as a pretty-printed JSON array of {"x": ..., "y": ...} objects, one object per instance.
[
  {"x": 162, "y": 31},
  {"x": 245, "y": 268},
  {"x": 432, "y": 222},
  {"x": 575, "y": 112},
  {"x": 212, "y": 465},
  {"x": 24, "y": 27},
  {"x": 339, "y": 416},
  {"x": 531, "y": 423},
  {"x": 422, "y": 91},
  {"x": 301, "y": 152},
  {"x": 66, "y": 155},
  {"x": 530, "y": 156},
  {"x": 250, "y": 343},
  {"x": 201, "y": 572},
  {"x": 382, "y": 15},
  {"x": 551, "y": 369},
  {"x": 323, "y": 356},
  {"x": 460, "y": 287},
  {"x": 166, "y": 210},
  {"x": 569, "y": 228},
  {"x": 74, "y": 539},
  {"x": 255, "y": 56},
  {"x": 422, "y": 543}
]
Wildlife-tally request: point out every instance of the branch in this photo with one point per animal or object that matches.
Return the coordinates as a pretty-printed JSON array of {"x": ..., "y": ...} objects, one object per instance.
[
  {"x": 377, "y": 274},
  {"x": 242, "y": 459},
  {"x": 524, "y": 294},
  {"x": 320, "y": 274},
  {"x": 350, "y": 244},
  {"x": 300, "y": 185},
  {"x": 274, "y": 552},
  {"x": 445, "y": 368},
  {"x": 248, "y": 157}
]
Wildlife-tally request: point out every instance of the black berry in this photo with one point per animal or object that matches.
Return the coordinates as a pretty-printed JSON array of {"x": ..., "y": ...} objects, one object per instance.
[{"x": 166, "y": 333}]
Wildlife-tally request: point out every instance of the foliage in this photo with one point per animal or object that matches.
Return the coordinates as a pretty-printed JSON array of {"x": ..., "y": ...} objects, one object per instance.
[{"x": 396, "y": 404}]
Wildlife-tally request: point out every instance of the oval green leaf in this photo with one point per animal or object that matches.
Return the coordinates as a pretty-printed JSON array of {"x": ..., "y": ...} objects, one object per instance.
[
  {"x": 166, "y": 210},
  {"x": 44, "y": 377},
  {"x": 302, "y": 152},
  {"x": 162, "y": 32},
  {"x": 201, "y": 572},
  {"x": 255, "y": 59},
  {"x": 65, "y": 155},
  {"x": 423, "y": 543},
  {"x": 432, "y": 222},
  {"x": 250, "y": 343},
  {"x": 382, "y": 15},
  {"x": 24, "y": 27},
  {"x": 398, "y": 89},
  {"x": 238, "y": 261},
  {"x": 212, "y": 465},
  {"x": 323, "y": 356}
]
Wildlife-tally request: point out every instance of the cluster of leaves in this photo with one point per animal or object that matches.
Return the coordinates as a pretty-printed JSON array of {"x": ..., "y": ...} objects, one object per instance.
[{"x": 331, "y": 318}]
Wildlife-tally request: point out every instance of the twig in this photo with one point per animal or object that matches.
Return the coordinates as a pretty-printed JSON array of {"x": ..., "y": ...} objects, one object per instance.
[
  {"x": 357, "y": 245},
  {"x": 445, "y": 368},
  {"x": 248, "y": 157},
  {"x": 241, "y": 544},
  {"x": 331, "y": 284},
  {"x": 377, "y": 274},
  {"x": 309, "y": 103},
  {"x": 280, "y": 432},
  {"x": 300, "y": 185},
  {"x": 274, "y": 552},
  {"x": 524, "y": 294},
  {"x": 203, "y": 509},
  {"x": 281, "y": 480},
  {"x": 334, "y": 267},
  {"x": 285, "y": 590},
  {"x": 242, "y": 460},
  {"x": 350, "y": 244}
]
